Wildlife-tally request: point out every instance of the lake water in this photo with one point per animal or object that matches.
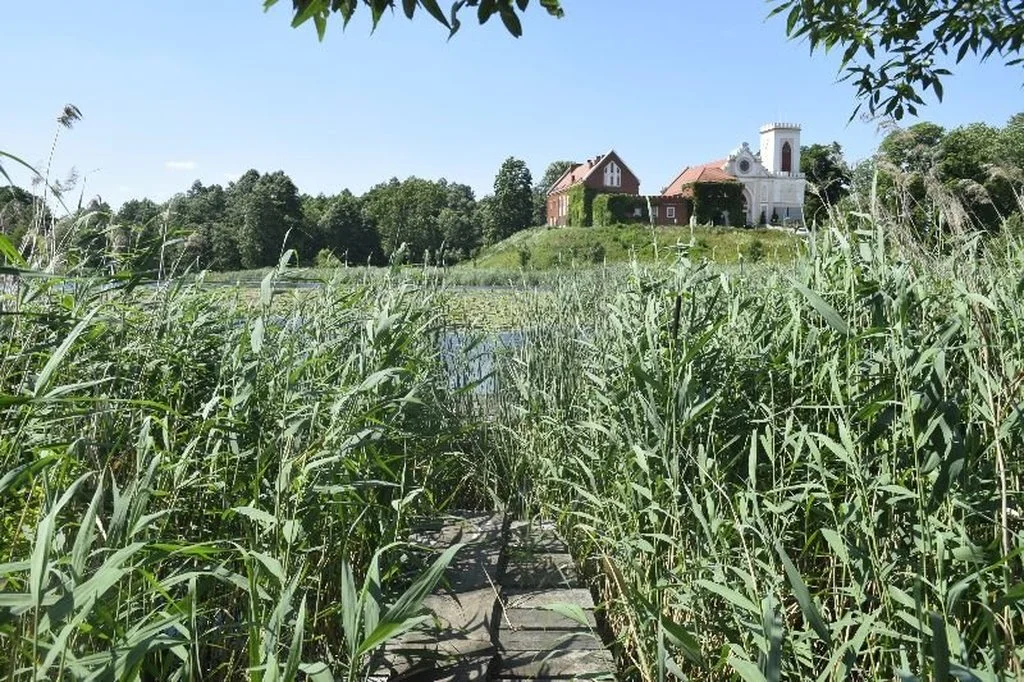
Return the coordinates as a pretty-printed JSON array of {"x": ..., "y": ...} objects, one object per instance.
[{"x": 471, "y": 357}]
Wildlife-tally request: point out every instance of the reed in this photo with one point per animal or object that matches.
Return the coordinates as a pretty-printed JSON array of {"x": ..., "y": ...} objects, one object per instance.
[
  {"x": 190, "y": 477},
  {"x": 817, "y": 476}
]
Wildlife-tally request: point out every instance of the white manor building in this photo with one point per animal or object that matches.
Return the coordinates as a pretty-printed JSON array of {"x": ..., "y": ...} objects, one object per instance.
[{"x": 773, "y": 186}]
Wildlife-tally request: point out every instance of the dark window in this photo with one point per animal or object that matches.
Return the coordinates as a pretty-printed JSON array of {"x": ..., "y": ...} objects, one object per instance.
[{"x": 787, "y": 158}]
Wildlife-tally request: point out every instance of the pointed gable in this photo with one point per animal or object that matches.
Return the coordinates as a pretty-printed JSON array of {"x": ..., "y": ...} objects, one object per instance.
[{"x": 582, "y": 172}]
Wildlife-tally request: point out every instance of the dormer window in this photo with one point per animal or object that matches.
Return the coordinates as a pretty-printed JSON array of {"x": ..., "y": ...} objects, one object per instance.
[{"x": 612, "y": 175}]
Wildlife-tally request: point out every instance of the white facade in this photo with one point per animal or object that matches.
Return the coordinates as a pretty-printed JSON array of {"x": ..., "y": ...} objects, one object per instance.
[{"x": 773, "y": 186}]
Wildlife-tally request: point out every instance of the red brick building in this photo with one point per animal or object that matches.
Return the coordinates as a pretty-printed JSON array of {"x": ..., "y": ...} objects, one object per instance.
[
  {"x": 675, "y": 205},
  {"x": 604, "y": 174}
]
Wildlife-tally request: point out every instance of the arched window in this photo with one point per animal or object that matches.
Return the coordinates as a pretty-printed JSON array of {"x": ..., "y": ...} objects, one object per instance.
[
  {"x": 612, "y": 175},
  {"x": 787, "y": 158}
]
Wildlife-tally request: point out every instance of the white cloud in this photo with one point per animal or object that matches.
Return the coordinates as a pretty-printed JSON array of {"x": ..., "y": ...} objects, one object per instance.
[{"x": 180, "y": 165}]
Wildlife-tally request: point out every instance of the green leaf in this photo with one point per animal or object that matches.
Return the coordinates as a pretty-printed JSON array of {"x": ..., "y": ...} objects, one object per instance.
[
  {"x": 10, "y": 252},
  {"x": 256, "y": 336},
  {"x": 746, "y": 669},
  {"x": 824, "y": 309},
  {"x": 803, "y": 596},
  {"x": 511, "y": 21},
  {"x": 940, "y": 647},
  {"x": 86, "y": 532},
  {"x": 731, "y": 596},
  {"x": 39, "y": 564},
  {"x": 17, "y": 476},
  {"x": 317, "y": 672},
  {"x": 295, "y": 652},
  {"x": 573, "y": 612},
  {"x": 46, "y": 374},
  {"x": 682, "y": 639},
  {"x": 258, "y": 515},
  {"x": 404, "y": 615},
  {"x": 435, "y": 11}
]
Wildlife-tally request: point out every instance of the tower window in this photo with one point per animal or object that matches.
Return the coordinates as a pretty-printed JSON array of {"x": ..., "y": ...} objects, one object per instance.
[{"x": 787, "y": 158}]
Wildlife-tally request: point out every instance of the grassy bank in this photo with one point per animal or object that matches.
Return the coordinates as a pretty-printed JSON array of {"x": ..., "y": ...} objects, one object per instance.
[
  {"x": 818, "y": 476},
  {"x": 543, "y": 248}
]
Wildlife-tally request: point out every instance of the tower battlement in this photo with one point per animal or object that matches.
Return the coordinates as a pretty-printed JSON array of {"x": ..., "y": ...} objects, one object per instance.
[{"x": 768, "y": 127}]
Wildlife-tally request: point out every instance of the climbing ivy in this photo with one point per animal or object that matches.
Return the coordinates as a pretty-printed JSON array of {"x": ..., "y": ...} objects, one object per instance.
[
  {"x": 718, "y": 203},
  {"x": 616, "y": 209},
  {"x": 581, "y": 206}
]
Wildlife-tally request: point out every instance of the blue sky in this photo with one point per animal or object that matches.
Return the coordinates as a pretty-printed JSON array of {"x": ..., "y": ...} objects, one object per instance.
[{"x": 175, "y": 91}]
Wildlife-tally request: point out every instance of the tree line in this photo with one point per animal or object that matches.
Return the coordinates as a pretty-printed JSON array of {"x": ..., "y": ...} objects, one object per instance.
[
  {"x": 251, "y": 221},
  {"x": 926, "y": 177}
]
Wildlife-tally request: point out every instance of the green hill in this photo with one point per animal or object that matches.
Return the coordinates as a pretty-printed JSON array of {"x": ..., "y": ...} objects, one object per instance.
[{"x": 542, "y": 248}]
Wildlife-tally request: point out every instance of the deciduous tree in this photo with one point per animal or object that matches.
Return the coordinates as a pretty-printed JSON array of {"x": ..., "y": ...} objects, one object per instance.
[
  {"x": 264, "y": 209},
  {"x": 512, "y": 209},
  {"x": 344, "y": 231},
  {"x": 828, "y": 177}
]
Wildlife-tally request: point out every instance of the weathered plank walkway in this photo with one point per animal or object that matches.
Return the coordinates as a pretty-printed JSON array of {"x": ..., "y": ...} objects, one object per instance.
[{"x": 513, "y": 608}]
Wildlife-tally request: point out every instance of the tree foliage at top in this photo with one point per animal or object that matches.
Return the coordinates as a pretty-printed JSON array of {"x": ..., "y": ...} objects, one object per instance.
[
  {"x": 894, "y": 50},
  {"x": 508, "y": 10},
  {"x": 426, "y": 216},
  {"x": 936, "y": 179},
  {"x": 828, "y": 177},
  {"x": 512, "y": 208},
  {"x": 17, "y": 209}
]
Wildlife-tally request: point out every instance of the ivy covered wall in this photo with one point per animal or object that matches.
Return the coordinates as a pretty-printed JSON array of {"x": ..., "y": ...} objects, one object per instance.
[
  {"x": 719, "y": 203},
  {"x": 617, "y": 209},
  {"x": 581, "y": 206}
]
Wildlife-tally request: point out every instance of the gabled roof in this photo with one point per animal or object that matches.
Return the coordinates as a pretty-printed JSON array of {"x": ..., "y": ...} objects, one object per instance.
[
  {"x": 706, "y": 172},
  {"x": 581, "y": 171}
]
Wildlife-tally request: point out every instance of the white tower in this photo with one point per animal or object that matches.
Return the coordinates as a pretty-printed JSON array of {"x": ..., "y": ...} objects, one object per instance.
[{"x": 780, "y": 148}]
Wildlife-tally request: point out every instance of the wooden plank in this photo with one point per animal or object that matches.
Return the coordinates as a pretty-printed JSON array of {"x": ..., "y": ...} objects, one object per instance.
[
  {"x": 533, "y": 599},
  {"x": 548, "y": 640},
  {"x": 549, "y": 665},
  {"x": 540, "y": 571},
  {"x": 541, "y": 619}
]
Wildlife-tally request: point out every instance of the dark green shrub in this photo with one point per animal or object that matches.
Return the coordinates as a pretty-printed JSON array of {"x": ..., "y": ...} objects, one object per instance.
[
  {"x": 524, "y": 257},
  {"x": 325, "y": 258},
  {"x": 754, "y": 251},
  {"x": 717, "y": 202}
]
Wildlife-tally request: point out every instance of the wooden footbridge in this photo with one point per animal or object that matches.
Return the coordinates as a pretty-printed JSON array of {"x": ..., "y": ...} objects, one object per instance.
[{"x": 513, "y": 608}]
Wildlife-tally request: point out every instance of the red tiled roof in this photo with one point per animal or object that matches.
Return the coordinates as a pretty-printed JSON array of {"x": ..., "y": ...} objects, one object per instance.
[
  {"x": 707, "y": 172},
  {"x": 581, "y": 171},
  {"x": 576, "y": 174},
  {"x": 569, "y": 178}
]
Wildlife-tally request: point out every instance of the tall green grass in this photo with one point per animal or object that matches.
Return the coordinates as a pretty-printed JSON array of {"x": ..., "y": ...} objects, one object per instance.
[
  {"x": 814, "y": 474},
  {"x": 192, "y": 478}
]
